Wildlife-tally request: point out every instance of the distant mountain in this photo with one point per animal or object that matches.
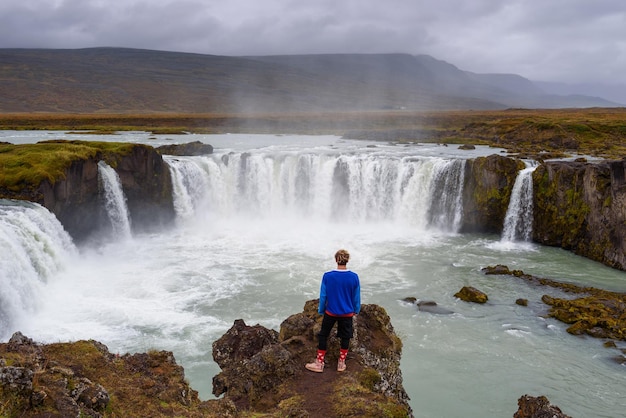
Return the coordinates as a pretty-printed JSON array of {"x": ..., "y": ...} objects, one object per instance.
[
  {"x": 134, "y": 80},
  {"x": 612, "y": 92}
]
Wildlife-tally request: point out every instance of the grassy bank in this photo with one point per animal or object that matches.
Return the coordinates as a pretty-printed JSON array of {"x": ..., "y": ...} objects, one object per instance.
[
  {"x": 27, "y": 165},
  {"x": 597, "y": 131}
]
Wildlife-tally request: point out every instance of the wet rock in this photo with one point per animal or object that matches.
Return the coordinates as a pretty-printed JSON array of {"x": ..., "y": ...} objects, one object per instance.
[
  {"x": 190, "y": 148},
  {"x": 467, "y": 147},
  {"x": 598, "y": 313},
  {"x": 521, "y": 302},
  {"x": 432, "y": 307},
  {"x": 471, "y": 294},
  {"x": 537, "y": 407},
  {"x": 429, "y": 306},
  {"x": 498, "y": 269}
]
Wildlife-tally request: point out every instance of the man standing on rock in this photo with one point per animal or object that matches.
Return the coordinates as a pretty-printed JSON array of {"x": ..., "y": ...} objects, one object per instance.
[{"x": 340, "y": 300}]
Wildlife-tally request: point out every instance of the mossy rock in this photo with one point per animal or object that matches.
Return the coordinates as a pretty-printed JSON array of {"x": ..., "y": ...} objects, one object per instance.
[{"x": 471, "y": 294}]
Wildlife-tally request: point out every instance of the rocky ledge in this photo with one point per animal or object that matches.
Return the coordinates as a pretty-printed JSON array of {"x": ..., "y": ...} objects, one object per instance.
[{"x": 262, "y": 375}]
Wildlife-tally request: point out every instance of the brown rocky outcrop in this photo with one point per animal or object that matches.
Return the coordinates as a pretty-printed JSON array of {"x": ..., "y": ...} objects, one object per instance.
[
  {"x": 263, "y": 370},
  {"x": 581, "y": 206},
  {"x": 84, "y": 379},
  {"x": 537, "y": 407},
  {"x": 471, "y": 294}
]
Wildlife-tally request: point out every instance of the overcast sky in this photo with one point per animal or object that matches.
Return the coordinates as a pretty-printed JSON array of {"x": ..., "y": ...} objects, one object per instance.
[{"x": 551, "y": 40}]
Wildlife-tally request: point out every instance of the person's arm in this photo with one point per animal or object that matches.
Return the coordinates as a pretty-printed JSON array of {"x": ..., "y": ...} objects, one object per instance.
[
  {"x": 356, "y": 300},
  {"x": 322, "y": 308}
]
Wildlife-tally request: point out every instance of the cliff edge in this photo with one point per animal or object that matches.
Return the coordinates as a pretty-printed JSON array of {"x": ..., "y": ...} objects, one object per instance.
[{"x": 263, "y": 375}]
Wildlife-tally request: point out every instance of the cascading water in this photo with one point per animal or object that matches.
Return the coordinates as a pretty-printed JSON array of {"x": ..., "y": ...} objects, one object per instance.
[
  {"x": 361, "y": 188},
  {"x": 114, "y": 200},
  {"x": 518, "y": 222},
  {"x": 34, "y": 247},
  {"x": 446, "y": 210},
  {"x": 259, "y": 221}
]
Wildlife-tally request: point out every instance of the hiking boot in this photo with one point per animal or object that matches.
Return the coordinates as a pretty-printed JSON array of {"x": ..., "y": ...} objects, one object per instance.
[
  {"x": 317, "y": 366},
  {"x": 341, "y": 365}
]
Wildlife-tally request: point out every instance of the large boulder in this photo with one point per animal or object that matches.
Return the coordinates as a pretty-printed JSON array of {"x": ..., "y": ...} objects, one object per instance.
[{"x": 471, "y": 294}]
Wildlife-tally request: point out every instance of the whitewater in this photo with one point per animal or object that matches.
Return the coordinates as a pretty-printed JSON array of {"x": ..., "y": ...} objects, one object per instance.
[{"x": 257, "y": 223}]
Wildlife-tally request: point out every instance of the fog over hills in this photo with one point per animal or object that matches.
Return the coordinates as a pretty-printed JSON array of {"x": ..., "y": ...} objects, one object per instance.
[{"x": 135, "y": 80}]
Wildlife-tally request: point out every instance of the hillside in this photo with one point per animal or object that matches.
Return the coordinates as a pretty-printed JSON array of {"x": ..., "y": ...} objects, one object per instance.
[{"x": 130, "y": 80}]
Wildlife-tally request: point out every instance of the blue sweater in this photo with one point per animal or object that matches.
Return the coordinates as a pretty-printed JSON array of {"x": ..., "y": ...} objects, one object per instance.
[{"x": 340, "y": 294}]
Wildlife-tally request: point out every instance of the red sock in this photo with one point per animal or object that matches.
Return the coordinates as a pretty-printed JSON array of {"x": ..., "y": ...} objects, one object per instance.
[
  {"x": 343, "y": 353},
  {"x": 320, "y": 355}
]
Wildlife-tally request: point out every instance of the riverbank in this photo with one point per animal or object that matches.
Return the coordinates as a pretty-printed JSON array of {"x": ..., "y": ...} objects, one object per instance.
[{"x": 596, "y": 132}]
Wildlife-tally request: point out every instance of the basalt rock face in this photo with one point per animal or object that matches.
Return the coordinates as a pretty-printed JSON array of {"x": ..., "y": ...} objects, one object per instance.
[
  {"x": 263, "y": 370},
  {"x": 486, "y": 192},
  {"x": 77, "y": 199},
  {"x": 581, "y": 206}
]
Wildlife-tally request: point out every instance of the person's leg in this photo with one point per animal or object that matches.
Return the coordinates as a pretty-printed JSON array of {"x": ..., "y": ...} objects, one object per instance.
[
  {"x": 327, "y": 325},
  {"x": 322, "y": 340},
  {"x": 344, "y": 332}
]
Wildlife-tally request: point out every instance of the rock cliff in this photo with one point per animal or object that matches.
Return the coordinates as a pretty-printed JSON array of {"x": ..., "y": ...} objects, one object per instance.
[
  {"x": 486, "y": 192},
  {"x": 577, "y": 205},
  {"x": 74, "y": 195},
  {"x": 581, "y": 206}
]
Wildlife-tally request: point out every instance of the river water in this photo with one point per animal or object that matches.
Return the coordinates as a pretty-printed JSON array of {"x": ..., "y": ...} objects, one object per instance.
[{"x": 258, "y": 223}]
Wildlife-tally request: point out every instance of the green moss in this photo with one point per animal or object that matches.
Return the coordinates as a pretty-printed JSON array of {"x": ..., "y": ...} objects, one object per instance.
[
  {"x": 26, "y": 166},
  {"x": 368, "y": 378},
  {"x": 363, "y": 401}
]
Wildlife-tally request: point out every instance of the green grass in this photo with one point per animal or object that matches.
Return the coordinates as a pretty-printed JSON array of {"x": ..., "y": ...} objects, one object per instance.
[
  {"x": 27, "y": 165},
  {"x": 598, "y": 131}
]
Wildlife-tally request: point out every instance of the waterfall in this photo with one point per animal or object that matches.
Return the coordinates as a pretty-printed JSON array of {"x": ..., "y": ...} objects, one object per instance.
[
  {"x": 518, "y": 222},
  {"x": 446, "y": 210},
  {"x": 34, "y": 247},
  {"x": 114, "y": 200},
  {"x": 420, "y": 191}
]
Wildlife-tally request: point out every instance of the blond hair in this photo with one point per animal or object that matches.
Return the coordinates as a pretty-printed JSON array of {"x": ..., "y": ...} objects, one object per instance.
[{"x": 342, "y": 257}]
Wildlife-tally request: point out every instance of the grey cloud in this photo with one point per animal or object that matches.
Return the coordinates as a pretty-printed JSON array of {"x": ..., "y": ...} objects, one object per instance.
[{"x": 567, "y": 40}]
